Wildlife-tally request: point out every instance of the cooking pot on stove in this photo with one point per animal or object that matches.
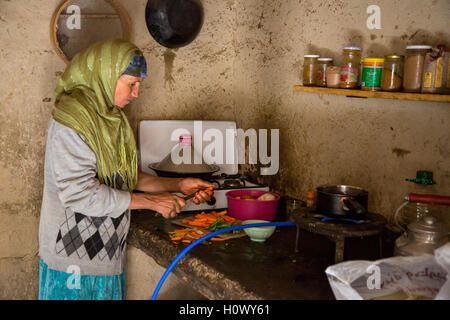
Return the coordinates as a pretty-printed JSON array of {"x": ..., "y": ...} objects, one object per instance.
[
  {"x": 167, "y": 168},
  {"x": 342, "y": 201}
]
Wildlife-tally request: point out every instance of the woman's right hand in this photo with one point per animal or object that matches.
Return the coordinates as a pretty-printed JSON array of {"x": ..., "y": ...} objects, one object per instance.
[{"x": 166, "y": 203}]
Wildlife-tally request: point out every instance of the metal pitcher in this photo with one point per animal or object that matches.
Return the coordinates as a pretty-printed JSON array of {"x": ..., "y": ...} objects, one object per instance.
[{"x": 421, "y": 237}]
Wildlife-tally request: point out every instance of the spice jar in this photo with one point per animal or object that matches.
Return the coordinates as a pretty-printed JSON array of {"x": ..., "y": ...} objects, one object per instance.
[
  {"x": 446, "y": 86},
  {"x": 333, "y": 77},
  {"x": 309, "y": 69},
  {"x": 414, "y": 63},
  {"x": 321, "y": 71},
  {"x": 310, "y": 199},
  {"x": 433, "y": 80},
  {"x": 350, "y": 68},
  {"x": 392, "y": 78},
  {"x": 371, "y": 74}
]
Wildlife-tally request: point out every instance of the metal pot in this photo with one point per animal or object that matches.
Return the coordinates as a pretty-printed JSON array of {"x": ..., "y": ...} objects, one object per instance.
[
  {"x": 342, "y": 201},
  {"x": 422, "y": 237}
]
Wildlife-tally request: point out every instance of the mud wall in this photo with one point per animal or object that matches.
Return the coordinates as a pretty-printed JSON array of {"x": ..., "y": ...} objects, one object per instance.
[{"x": 242, "y": 67}]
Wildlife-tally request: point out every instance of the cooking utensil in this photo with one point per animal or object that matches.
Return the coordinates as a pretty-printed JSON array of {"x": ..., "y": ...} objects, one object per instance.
[
  {"x": 251, "y": 209},
  {"x": 341, "y": 200},
  {"x": 174, "y": 23},
  {"x": 205, "y": 175},
  {"x": 190, "y": 196}
]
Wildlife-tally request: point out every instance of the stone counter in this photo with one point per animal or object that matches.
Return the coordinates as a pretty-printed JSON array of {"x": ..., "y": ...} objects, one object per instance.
[{"x": 240, "y": 269}]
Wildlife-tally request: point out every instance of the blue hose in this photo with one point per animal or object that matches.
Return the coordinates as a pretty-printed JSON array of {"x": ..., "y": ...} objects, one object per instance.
[{"x": 209, "y": 235}]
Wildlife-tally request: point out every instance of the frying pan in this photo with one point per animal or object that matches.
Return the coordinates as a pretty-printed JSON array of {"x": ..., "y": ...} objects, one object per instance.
[{"x": 174, "y": 23}]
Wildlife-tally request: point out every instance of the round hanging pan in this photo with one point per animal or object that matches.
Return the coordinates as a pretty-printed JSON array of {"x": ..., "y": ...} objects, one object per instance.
[{"x": 174, "y": 23}]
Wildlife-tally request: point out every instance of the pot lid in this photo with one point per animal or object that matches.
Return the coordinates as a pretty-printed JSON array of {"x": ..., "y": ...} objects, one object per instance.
[
  {"x": 428, "y": 226},
  {"x": 186, "y": 165}
]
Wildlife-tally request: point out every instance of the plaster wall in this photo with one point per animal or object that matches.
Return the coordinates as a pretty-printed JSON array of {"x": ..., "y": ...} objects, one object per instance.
[{"x": 242, "y": 67}]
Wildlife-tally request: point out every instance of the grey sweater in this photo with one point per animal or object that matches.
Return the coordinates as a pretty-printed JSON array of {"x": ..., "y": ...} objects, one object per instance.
[{"x": 83, "y": 223}]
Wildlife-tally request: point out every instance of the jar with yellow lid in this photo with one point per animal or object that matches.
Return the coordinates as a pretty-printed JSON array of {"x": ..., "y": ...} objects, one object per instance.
[
  {"x": 392, "y": 78},
  {"x": 350, "y": 68},
  {"x": 371, "y": 74}
]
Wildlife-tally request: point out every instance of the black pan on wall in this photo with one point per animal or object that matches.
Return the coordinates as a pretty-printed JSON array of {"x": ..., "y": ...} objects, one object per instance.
[{"x": 174, "y": 23}]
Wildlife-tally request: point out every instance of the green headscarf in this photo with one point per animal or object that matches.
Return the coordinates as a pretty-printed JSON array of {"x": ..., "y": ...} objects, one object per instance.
[{"x": 84, "y": 102}]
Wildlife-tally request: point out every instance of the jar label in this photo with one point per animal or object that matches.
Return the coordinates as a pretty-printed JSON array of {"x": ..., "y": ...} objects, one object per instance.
[
  {"x": 448, "y": 76},
  {"x": 349, "y": 75},
  {"x": 439, "y": 72},
  {"x": 427, "y": 79},
  {"x": 371, "y": 77},
  {"x": 321, "y": 75}
]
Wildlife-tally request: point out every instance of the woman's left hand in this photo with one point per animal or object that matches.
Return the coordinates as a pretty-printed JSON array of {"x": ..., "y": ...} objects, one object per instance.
[{"x": 189, "y": 186}]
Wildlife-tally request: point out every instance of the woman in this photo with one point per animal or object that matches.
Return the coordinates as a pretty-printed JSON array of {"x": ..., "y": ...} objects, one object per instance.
[{"x": 90, "y": 174}]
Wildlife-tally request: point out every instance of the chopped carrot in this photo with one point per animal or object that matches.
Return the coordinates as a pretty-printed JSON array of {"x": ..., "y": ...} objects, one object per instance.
[{"x": 217, "y": 239}]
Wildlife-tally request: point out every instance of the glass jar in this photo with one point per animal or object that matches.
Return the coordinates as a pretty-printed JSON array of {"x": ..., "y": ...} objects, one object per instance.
[
  {"x": 333, "y": 77},
  {"x": 371, "y": 74},
  {"x": 392, "y": 78},
  {"x": 321, "y": 71},
  {"x": 414, "y": 63},
  {"x": 310, "y": 199},
  {"x": 434, "y": 71},
  {"x": 309, "y": 69},
  {"x": 350, "y": 68}
]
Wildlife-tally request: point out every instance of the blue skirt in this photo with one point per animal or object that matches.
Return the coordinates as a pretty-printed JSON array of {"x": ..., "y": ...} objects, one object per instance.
[{"x": 59, "y": 285}]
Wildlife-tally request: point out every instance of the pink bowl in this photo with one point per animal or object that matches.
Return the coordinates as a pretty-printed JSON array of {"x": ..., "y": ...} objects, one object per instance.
[{"x": 251, "y": 210}]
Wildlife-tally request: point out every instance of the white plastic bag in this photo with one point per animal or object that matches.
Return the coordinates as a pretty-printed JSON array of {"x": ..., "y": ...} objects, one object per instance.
[{"x": 397, "y": 278}]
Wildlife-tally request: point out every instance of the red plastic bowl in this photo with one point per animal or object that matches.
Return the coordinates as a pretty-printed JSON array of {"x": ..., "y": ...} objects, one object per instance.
[{"x": 251, "y": 210}]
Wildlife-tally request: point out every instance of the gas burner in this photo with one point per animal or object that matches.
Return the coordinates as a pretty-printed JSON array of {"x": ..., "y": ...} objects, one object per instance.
[
  {"x": 229, "y": 181},
  {"x": 233, "y": 183}
]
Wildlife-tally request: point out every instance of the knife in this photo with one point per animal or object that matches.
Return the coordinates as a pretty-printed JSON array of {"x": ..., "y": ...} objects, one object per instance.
[{"x": 188, "y": 197}]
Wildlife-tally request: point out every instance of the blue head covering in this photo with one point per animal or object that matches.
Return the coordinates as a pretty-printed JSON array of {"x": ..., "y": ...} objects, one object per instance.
[{"x": 137, "y": 67}]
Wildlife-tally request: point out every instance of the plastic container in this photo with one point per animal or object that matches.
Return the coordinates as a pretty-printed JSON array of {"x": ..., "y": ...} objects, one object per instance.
[
  {"x": 350, "y": 68},
  {"x": 243, "y": 209},
  {"x": 372, "y": 71},
  {"x": 321, "y": 71},
  {"x": 414, "y": 64},
  {"x": 392, "y": 78},
  {"x": 309, "y": 69}
]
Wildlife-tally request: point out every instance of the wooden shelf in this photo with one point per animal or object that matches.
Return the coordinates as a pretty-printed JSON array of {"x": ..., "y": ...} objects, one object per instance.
[{"x": 376, "y": 94}]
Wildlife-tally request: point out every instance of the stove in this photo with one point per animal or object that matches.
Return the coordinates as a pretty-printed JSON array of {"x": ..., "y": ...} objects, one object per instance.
[{"x": 157, "y": 138}]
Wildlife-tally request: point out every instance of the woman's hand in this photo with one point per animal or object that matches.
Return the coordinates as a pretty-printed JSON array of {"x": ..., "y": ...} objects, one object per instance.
[
  {"x": 189, "y": 186},
  {"x": 166, "y": 203}
]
